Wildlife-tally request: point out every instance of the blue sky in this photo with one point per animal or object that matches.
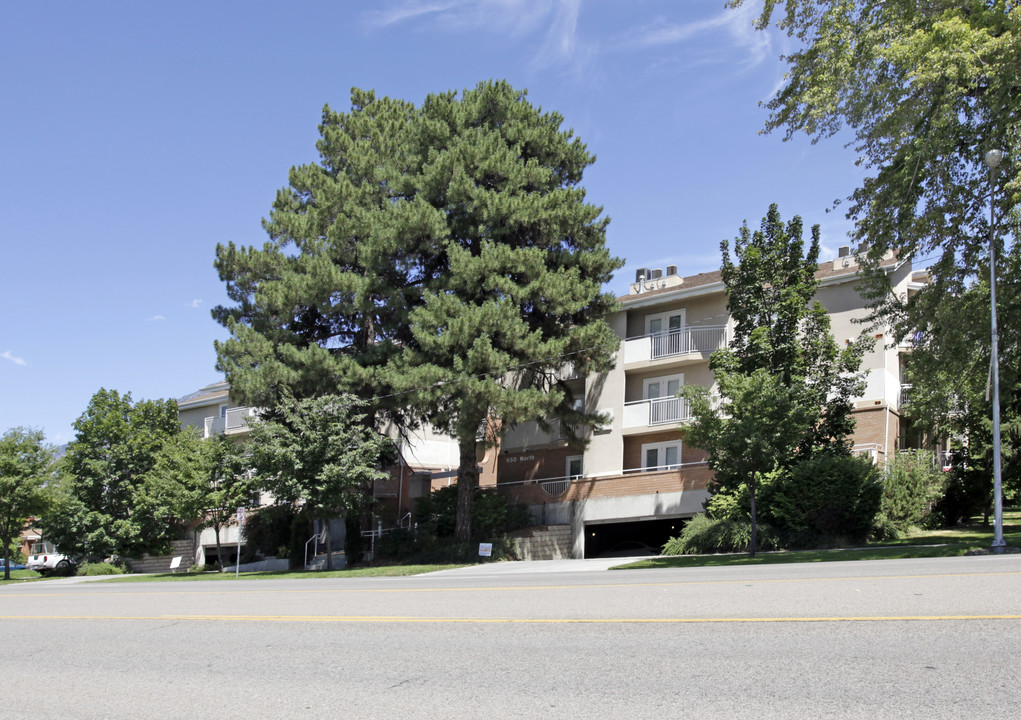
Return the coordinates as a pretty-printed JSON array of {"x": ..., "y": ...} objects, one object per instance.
[{"x": 134, "y": 137}]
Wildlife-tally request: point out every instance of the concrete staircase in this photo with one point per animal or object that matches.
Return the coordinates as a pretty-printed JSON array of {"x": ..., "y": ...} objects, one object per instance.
[
  {"x": 545, "y": 542},
  {"x": 319, "y": 561}
]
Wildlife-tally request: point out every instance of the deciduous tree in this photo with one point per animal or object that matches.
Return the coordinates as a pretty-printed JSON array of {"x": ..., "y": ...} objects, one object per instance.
[
  {"x": 320, "y": 451},
  {"x": 25, "y": 466},
  {"x": 925, "y": 90},
  {"x": 786, "y": 389},
  {"x": 115, "y": 499}
]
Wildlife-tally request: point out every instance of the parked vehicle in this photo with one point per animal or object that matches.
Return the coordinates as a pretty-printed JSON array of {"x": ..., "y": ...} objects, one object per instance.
[
  {"x": 14, "y": 566},
  {"x": 47, "y": 560}
]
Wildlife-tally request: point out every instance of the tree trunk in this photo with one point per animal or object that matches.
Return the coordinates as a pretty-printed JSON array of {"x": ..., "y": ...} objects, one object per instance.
[
  {"x": 7, "y": 558},
  {"x": 219, "y": 550},
  {"x": 467, "y": 480},
  {"x": 755, "y": 526}
]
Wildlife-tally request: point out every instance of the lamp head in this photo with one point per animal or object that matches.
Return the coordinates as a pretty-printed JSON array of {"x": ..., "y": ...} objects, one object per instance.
[{"x": 993, "y": 158}]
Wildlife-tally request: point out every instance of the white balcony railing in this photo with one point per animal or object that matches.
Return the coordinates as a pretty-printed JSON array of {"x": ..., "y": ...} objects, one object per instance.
[
  {"x": 234, "y": 420},
  {"x": 656, "y": 411},
  {"x": 702, "y": 339}
]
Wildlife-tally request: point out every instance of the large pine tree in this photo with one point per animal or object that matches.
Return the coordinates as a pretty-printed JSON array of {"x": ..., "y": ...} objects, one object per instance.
[{"x": 439, "y": 262}]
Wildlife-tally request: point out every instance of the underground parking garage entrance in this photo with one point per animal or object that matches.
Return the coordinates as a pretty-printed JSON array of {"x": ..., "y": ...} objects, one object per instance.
[{"x": 631, "y": 537}]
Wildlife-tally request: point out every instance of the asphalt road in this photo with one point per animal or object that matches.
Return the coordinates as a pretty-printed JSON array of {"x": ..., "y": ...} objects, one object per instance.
[{"x": 935, "y": 638}]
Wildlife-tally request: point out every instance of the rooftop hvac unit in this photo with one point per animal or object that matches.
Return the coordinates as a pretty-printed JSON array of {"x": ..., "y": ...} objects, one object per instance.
[
  {"x": 671, "y": 270},
  {"x": 843, "y": 251},
  {"x": 642, "y": 274},
  {"x": 657, "y": 274}
]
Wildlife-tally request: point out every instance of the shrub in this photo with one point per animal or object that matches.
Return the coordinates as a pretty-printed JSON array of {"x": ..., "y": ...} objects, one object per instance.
[
  {"x": 398, "y": 544},
  {"x": 492, "y": 514},
  {"x": 967, "y": 492},
  {"x": 266, "y": 529},
  {"x": 100, "y": 568},
  {"x": 826, "y": 499},
  {"x": 735, "y": 503},
  {"x": 702, "y": 535},
  {"x": 911, "y": 487}
]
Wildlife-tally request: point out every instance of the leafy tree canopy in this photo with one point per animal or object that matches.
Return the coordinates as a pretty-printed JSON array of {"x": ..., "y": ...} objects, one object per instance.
[
  {"x": 779, "y": 327},
  {"x": 118, "y": 497},
  {"x": 786, "y": 390},
  {"x": 26, "y": 464},
  {"x": 319, "y": 451},
  {"x": 926, "y": 89}
]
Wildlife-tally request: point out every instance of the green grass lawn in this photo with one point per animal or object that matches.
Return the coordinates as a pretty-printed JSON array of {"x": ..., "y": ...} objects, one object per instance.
[
  {"x": 20, "y": 576},
  {"x": 381, "y": 571},
  {"x": 919, "y": 544}
]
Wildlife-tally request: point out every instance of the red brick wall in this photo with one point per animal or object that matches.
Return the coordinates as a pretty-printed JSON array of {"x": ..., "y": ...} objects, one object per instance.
[
  {"x": 532, "y": 464},
  {"x": 871, "y": 426}
]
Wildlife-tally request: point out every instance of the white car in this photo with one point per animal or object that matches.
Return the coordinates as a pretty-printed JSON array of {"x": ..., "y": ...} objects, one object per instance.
[{"x": 46, "y": 560}]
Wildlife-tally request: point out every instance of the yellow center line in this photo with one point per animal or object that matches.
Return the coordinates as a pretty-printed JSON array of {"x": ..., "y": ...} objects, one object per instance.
[
  {"x": 509, "y": 620},
  {"x": 242, "y": 586}
]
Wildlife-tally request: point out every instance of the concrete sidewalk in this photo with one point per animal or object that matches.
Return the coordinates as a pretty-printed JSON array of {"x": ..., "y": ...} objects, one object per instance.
[{"x": 524, "y": 567}]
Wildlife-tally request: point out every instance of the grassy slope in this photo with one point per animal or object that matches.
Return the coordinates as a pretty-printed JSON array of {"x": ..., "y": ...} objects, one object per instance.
[{"x": 919, "y": 544}]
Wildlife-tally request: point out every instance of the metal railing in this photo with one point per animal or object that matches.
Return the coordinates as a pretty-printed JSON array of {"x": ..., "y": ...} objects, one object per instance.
[
  {"x": 319, "y": 537},
  {"x": 704, "y": 339},
  {"x": 237, "y": 418},
  {"x": 660, "y": 411},
  {"x": 558, "y": 486},
  {"x": 234, "y": 419}
]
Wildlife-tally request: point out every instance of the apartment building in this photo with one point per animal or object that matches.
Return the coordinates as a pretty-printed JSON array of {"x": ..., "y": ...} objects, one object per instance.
[
  {"x": 637, "y": 479},
  {"x": 427, "y": 459}
]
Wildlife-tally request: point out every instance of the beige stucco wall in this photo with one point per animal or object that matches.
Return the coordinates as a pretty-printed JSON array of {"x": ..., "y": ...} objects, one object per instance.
[
  {"x": 605, "y": 393},
  {"x": 195, "y": 416},
  {"x": 708, "y": 310}
]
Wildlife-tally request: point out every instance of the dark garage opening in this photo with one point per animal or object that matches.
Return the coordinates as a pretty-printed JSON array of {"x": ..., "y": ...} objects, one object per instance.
[{"x": 638, "y": 537}]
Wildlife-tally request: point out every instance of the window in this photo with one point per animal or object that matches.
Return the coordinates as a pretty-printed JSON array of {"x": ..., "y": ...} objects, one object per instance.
[
  {"x": 661, "y": 456},
  {"x": 666, "y": 386},
  {"x": 574, "y": 466},
  {"x": 664, "y": 405},
  {"x": 671, "y": 321},
  {"x": 223, "y": 411}
]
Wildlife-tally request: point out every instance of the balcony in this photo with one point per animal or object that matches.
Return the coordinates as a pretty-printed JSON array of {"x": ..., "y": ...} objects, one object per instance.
[
  {"x": 675, "y": 344},
  {"x": 904, "y": 399},
  {"x": 235, "y": 420},
  {"x": 655, "y": 412}
]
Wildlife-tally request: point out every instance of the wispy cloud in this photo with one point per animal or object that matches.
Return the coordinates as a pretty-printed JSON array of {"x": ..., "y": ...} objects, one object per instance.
[
  {"x": 156, "y": 318},
  {"x": 737, "y": 25},
  {"x": 410, "y": 10},
  {"x": 196, "y": 303},
  {"x": 553, "y": 23},
  {"x": 8, "y": 355}
]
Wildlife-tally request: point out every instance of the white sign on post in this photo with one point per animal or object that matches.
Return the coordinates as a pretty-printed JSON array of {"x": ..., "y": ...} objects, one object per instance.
[{"x": 485, "y": 549}]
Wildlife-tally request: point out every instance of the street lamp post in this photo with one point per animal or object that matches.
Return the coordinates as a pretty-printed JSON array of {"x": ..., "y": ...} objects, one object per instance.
[{"x": 992, "y": 160}]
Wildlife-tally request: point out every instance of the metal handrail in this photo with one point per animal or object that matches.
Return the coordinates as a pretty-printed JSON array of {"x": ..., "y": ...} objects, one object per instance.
[
  {"x": 600, "y": 476},
  {"x": 319, "y": 537}
]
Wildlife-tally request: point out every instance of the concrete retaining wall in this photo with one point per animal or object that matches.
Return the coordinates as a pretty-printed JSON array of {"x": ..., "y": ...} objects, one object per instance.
[
  {"x": 161, "y": 563},
  {"x": 550, "y": 542}
]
